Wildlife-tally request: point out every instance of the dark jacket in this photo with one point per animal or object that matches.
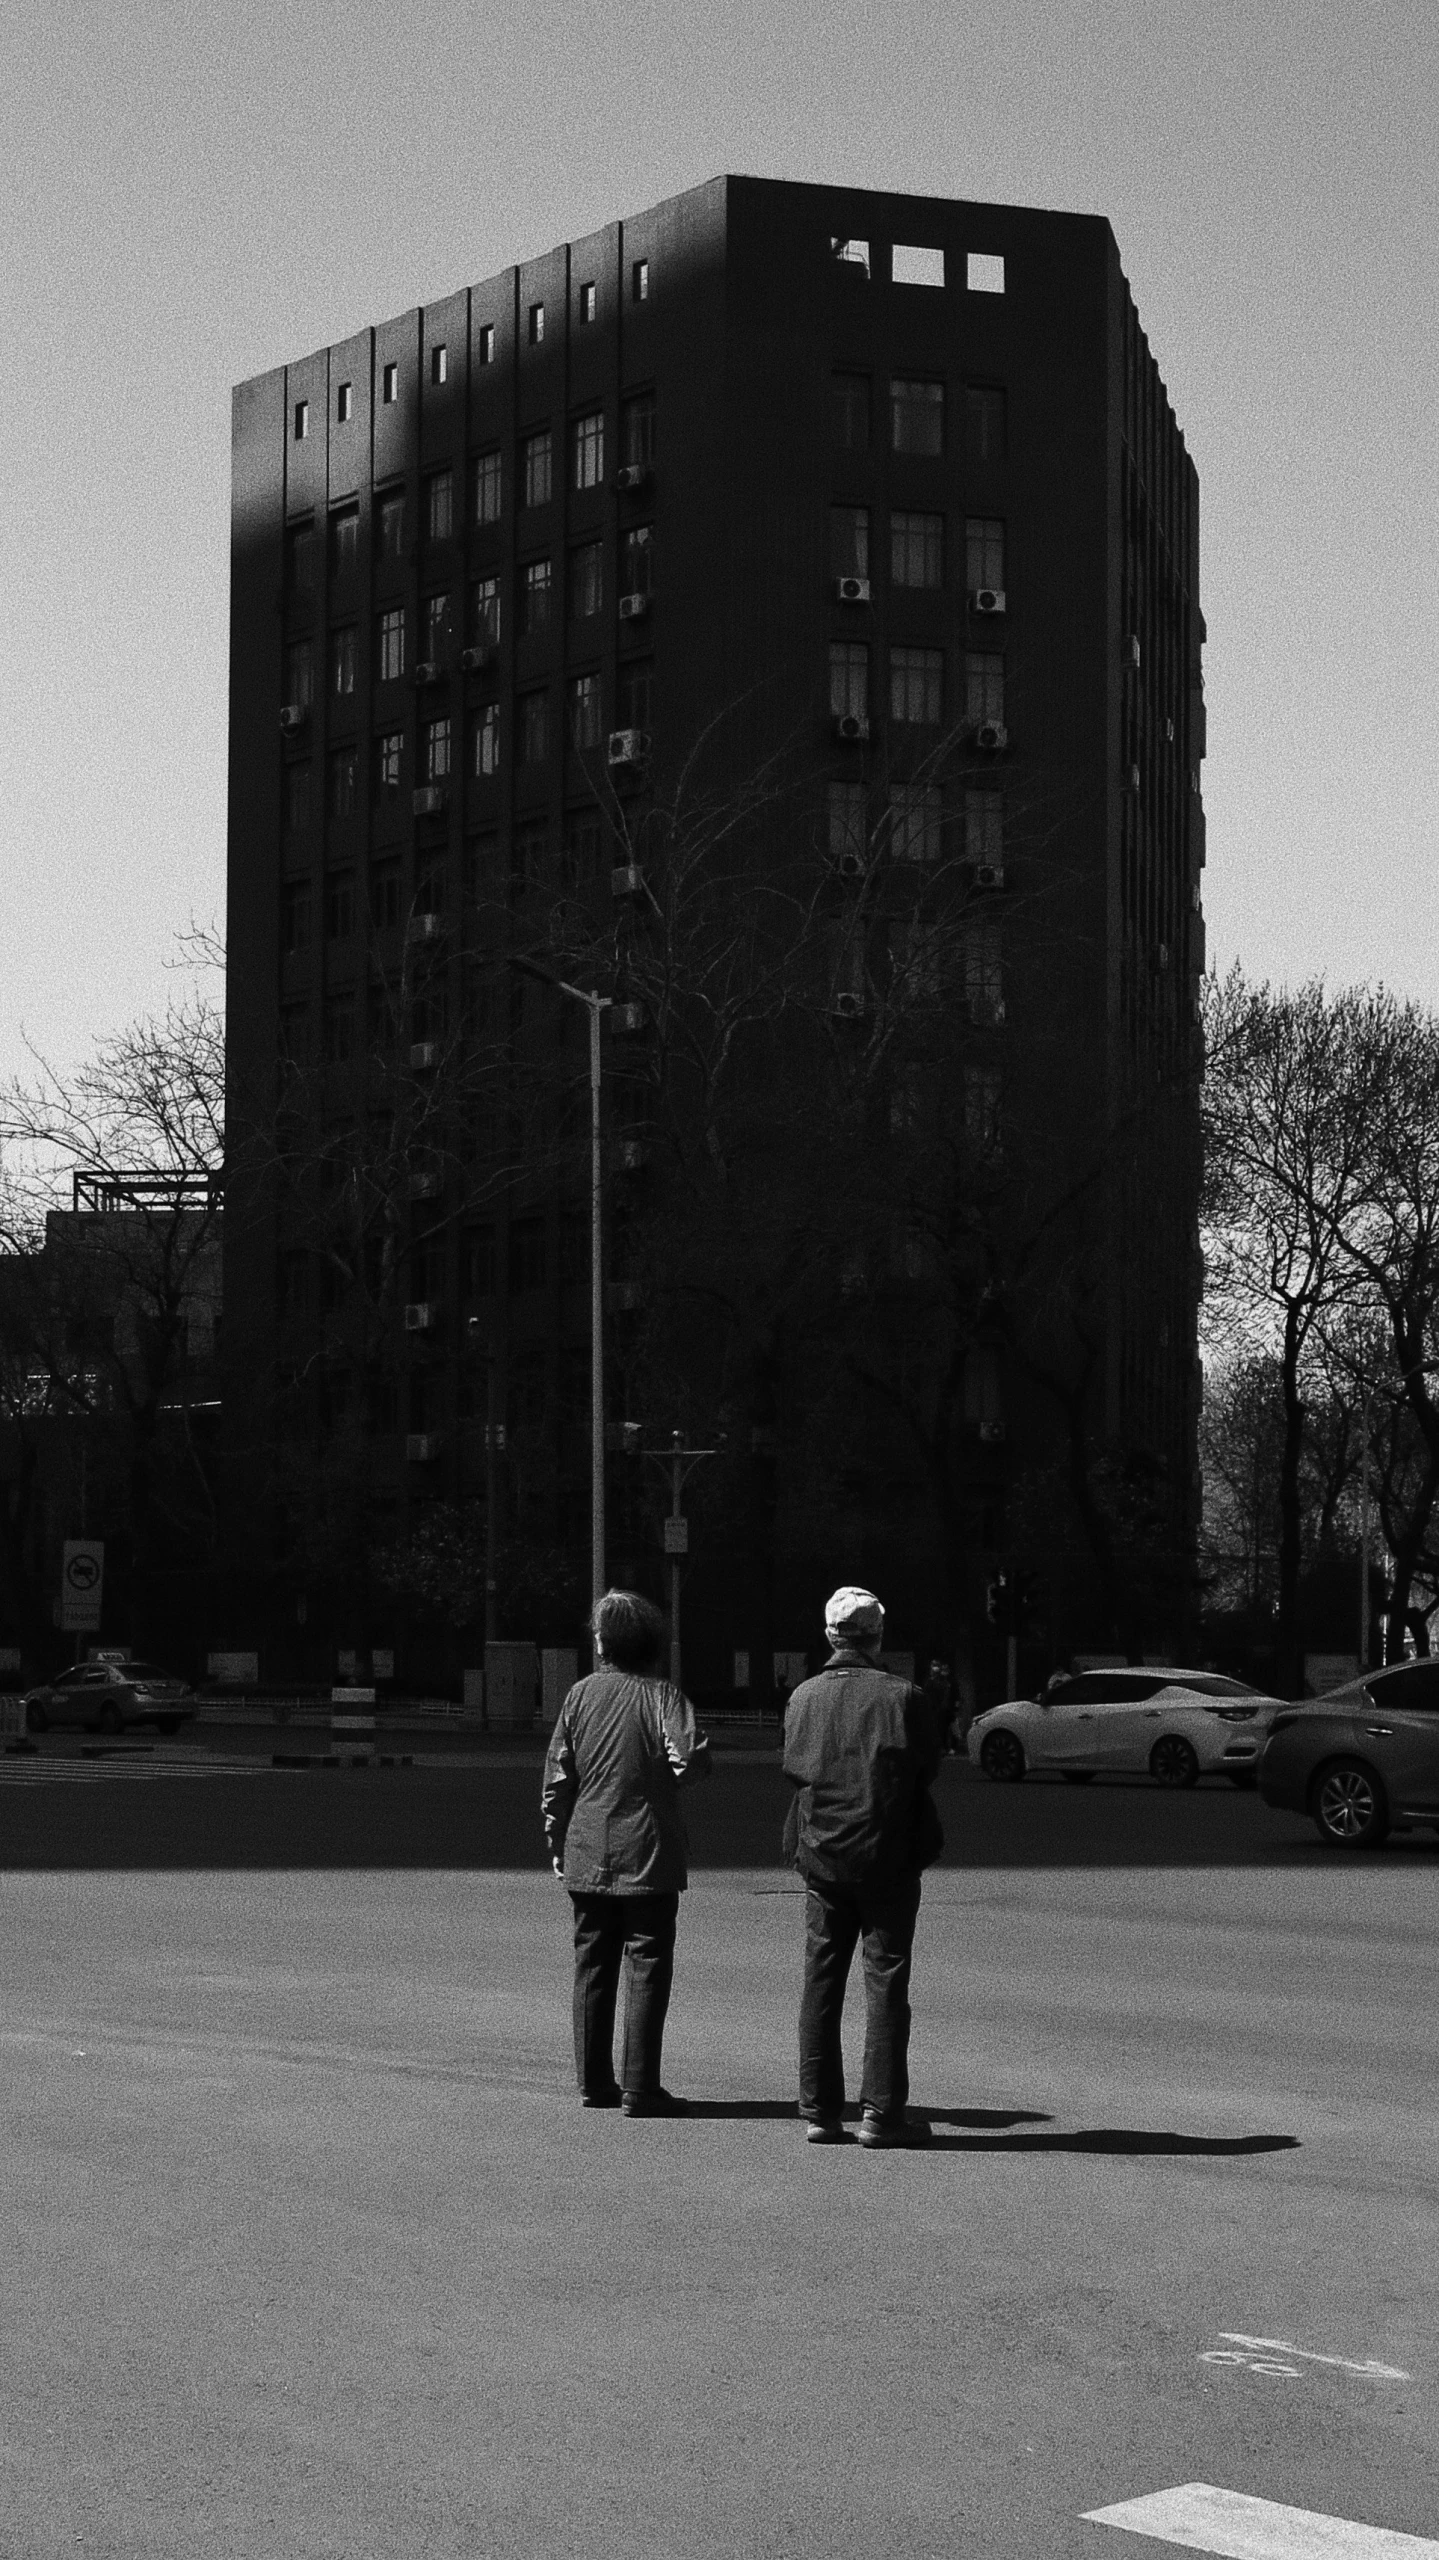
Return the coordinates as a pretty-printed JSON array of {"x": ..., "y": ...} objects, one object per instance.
[
  {"x": 860, "y": 1749},
  {"x": 620, "y": 1751}
]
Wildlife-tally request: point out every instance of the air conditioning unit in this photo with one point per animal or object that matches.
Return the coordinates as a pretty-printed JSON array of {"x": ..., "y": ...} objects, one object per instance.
[
  {"x": 989, "y": 875},
  {"x": 851, "y": 590},
  {"x": 988, "y": 600},
  {"x": 632, "y": 475},
  {"x": 627, "y": 880},
  {"x": 422, "y": 1316},
  {"x": 991, "y": 735},
  {"x": 627, "y": 1017},
  {"x": 482, "y": 654},
  {"x": 293, "y": 716},
  {"x": 627, "y": 750},
  {"x": 634, "y": 608},
  {"x": 991, "y": 1431},
  {"x": 428, "y": 671},
  {"x": 850, "y": 866},
  {"x": 847, "y": 1007},
  {"x": 421, "y": 1447},
  {"x": 1131, "y": 650},
  {"x": 852, "y": 726},
  {"x": 424, "y": 929},
  {"x": 424, "y": 1054},
  {"x": 430, "y": 800}
]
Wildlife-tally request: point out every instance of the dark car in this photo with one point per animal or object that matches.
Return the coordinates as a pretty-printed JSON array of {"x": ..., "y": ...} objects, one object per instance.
[
  {"x": 109, "y": 1697},
  {"x": 1362, "y": 1761}
]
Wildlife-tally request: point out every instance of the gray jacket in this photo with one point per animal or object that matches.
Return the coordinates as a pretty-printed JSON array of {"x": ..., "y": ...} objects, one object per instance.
[
  {"x": 620, "y": 1752},
  {"x": 860, "y": 1749}
]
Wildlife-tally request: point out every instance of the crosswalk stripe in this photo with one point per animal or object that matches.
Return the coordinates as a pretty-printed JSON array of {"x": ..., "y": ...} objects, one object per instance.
[
  {"x": 1236, "y": 2527},
  {"x": 93, "y": 1773}
]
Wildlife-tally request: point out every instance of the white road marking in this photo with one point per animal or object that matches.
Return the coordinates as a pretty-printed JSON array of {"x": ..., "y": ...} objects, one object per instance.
[
  {"x": 90, "y": 1773},
  {"x": 1375, "y": 2371},
  {"x": 1251, "y": 2364},
  {"x": 1234, "y": 2527}
]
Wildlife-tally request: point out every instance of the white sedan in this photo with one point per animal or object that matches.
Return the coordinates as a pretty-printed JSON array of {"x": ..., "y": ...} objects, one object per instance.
[{"x": 1175, "y": 1725}]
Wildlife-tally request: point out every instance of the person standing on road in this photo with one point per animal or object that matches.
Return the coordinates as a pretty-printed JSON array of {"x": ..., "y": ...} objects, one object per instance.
[
  {"x": 624, "y": 1744},
  {"x": 861, "y": 1749}
]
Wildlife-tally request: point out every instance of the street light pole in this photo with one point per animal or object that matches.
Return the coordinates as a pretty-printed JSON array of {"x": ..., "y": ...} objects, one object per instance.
[
  {"x": 679, "y": 1462},
  {"x": 1364, "y": 1542}
]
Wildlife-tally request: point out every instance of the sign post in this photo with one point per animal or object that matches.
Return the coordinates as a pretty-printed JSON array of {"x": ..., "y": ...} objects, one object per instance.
[{"x": 82, "y": 1586}]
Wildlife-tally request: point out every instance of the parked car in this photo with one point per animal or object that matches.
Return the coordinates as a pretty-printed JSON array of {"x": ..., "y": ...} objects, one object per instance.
[
  {"x": 1362, "y": 1761},
  {"x": 1176, "y": 1725},
  {"x": 110, "y": 1697}
]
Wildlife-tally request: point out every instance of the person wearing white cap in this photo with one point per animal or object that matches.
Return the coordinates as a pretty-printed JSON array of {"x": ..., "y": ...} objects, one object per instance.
[{"x": 860, "y": 1750}]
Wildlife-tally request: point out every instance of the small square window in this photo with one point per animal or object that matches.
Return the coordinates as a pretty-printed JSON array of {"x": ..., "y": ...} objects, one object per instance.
[
  {"x": 485, "y": 342},
  {"x": 640, "y": 280},
  {"x": 390, "y": 384},
  {"x": 851, "y": 253},
  {"x": 916, "y": 266},
  {"x": 537, "y": 324},
  {"x": 439, "y": 364},
  {"x": 983, "y": 274},
  {"x": 344, "y": 404},
  {"x": 302, "y": 420},
  {"x": 589, "y": 303}
]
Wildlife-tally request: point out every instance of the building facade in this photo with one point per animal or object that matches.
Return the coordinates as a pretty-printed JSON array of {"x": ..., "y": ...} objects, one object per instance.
[{"x": 876, "y": 499}]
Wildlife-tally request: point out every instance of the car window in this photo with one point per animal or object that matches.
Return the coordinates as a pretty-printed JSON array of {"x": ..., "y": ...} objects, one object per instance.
[
  {"x": 1408, "y": 1685},
  {"x": 1104, "y": 1689},
  {"x": 142, "y": 1671},
  {"x": 72, "y": 1679},
  {"x": 1210, "y": 1684}
]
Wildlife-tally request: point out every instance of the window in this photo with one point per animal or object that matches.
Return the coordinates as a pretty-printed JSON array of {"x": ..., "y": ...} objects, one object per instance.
[
  {"x": 589, "y": 304},
  {"x": 847, "y": 822},
  {"x": 292, "y": 1284},
  {"x": 527, "y": 1255},
  {"x": 636, "y": 688},
  {"x": 981, "y": 1109},
  {"x": 983, "y": 685},
  {"x": 584, "y": 841},
  {"x": 534, "y": 727},
  {"x": 430, "y": 887},
  {"x": 485, "y": 742},
  {"x": 916, "y": 266},
  {"x": 916, "y": 685},
  {"x": 439, "y": 364},
  {"x": 637, "y": 560},
  {"x": 338, "y": 1030},
  {"x": 640, "y": 280},
  {"x": 385, "y": 896},
  {"x": 477, "y": 1263},
  {"x": 300, "y": 559},
  {"x": 851, "y": 253},
  {"x": 916, "y": 416},
  {"x": 983, "y": 974},
  {"x": 390, "y": 651},
  {"x": 916, "y": 549},
  {"x": 535, "y": 586},
  {"x": 983, "y": 552},
  {"x": 536, "y": 454},
  {"x": 436, "y": 628},
  {"x": 344, "y": 781},
  {"x": 586, "y": 581},
  {"x": 849, "y": 542},
  {"x": 984, "y": 827},
  {"x": 302, "y": 420},
  {"x": 487, "y": 488},
  {"x": 982, "y": 273},
  {"x": 295, "y": 918},
  {"x": 589, "y": 450},
  {"x": 300, "y": 674},
  {"x": 428, "y": 1011},
  {"x": 849, "y": 411},
  {"x": 344, "y": 404},
  {"x": 390, "y": 518},
  {"x": 435, "y": 750},
  {"x": 342, "y": 661},
  {"x": 344, "y": 543},
  {"x": 339, "y": 906},
  {"x": 485, "y": 611},
  {"x": 294, "y": 1034},
  {"x": 849, "y": 679},
  {"x": 440, "y": 506},
  {"x": 984, "y": 423},
  {"x": 637, "y": 430},
  {"x": 916, "y": 813},
  {"x": 485, "y": 342},
  {"x": 537, "y": 324},
  {"x": 390, "y": 384},
  {"x": 529, "y": 853},
  {"x": 297, "y": 797},
  {"x": 575, "y": 1254},
  {"x": 584, "y": 710},
  {"x": 389, "y": 763}
]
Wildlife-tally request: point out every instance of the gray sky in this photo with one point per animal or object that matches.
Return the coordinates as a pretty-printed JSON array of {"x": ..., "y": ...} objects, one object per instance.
[{"x": 193, "y": 193}]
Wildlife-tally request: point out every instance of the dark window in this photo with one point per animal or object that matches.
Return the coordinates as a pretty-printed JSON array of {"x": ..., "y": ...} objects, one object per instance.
[
  {"x": 300, "y": 673},
  {"x": 427, "y": 1011},
  {"x": 537, "y": 324},
  {"x": 847, "y": 821},
  {"x": 390, "y": 524},
  {"x": 916, "y": 685},
  {"x": 529, "y": 854},
  {"x": 295, "y": 917},
  {"x": 584, "y": 839},
  {"x": 984, "y": 827},
  {"x": 983, "y": 685},
  {"x": 984, "y": 423},
  {"x": 297, "y": 797},
  {"x": 575, "y": 1251},
  {"x": 916, "y": 549},
  {"x": 534, "y": 728},
  {"x": 849, "y": 679},
  {"x": 389, "y": 763},
  {"x": 343, "y": 656},
  {"x": 302, "y": 420},
  {"x": 300, "y": 559},
  {"x": 586, "y": 581},
  {"x": 915, "y": 819},
  {"x": 440, "y": 506},
  {"x": 339, "y": 906},
  {"x": 485, "y": 342},
  {"x": 640, "y": 280},
  {"x": 477, "y": 1263},
  {"x": 338, "y": 1031},
  {"x": 344, "y": 782},
  {"x": 637, "y": 430},
  {"x": 536, "y": 468},
  {"x": 535, "y": 588},
  {"x": 487, "y": 488},
  {"x": 390, "y": 644},
  {"x": 589, "y": 303},
  {"x": 435, "y": 750},
  {"x": 637, "y": 560},
  {"x": 849, "y": 542},
  {"x": 850, "y": 253},
  {"x": 344, "y": 543},
  {"x": 983, "y": 552},
  {"x": 589, "y": 450},
  {"x": 294, "y": 1034},
  {"x": 485, "y": 611},
  {"x": 527, "y": 1255},
  {"x": 485, "y": 741},
  {"x": 584, "y": 710},
  {"x": 386, "y": 896},
  {"x": 436, "y": 629},
  {"x": 636, "y": 688},
  {"x": 430, "y": 887},
  {"x": 390, "y": 385},
  {"x": 439, "y": 364},
  {"x": 292, "y": 1284},
  {"x": 1410, "y": 1686},
  {"x": 849, "y": 411},
  {"x": 916, "y": 412}
]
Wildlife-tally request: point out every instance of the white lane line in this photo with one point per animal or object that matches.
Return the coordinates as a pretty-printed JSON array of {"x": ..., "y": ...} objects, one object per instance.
[
  {"x": 1371, "y": 2366},
  {"x": 1234, "y": 2527}
]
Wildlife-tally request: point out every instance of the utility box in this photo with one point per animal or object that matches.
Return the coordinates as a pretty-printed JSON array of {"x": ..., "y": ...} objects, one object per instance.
[
  {"x": 559, "y": 1670},
  {"x": 512, "y": 1687}
]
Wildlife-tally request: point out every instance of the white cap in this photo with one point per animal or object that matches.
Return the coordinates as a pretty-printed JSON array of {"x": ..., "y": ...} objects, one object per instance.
[{"x": 852, "y": 1612}]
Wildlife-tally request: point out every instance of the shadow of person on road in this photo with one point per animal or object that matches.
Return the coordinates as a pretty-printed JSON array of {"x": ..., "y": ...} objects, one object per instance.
[
  {"x": 1124, "y": 2141},
  {"x": 759, "y": 2109}
]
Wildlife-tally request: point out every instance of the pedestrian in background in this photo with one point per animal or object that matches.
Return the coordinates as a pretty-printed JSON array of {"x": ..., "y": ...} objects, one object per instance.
[
  {"x": 624, "y": 1744},
  {"x": 861, "y": 1749}
]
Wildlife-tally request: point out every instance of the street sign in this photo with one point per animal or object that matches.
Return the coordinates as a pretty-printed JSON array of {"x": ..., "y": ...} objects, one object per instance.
[
  {"x": 677, "y": 1536},
  {"x": 82, "y": 1585}
]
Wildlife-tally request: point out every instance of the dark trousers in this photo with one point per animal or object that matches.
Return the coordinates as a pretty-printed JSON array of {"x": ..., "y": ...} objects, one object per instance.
[
  {"x": 837, "y": 1917},
  {"x": 608, "y": 1928}
]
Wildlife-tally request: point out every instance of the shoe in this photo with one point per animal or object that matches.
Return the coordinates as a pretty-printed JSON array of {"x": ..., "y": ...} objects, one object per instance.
[
  {"x": 892, "y": 2133},
  {"x": 825, "y": 2129},
  {"x": 600, "y": 2097},
  {"x": 652, "y": 2102}
]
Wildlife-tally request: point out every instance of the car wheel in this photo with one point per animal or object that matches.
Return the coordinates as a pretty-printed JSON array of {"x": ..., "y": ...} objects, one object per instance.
[
  {"x": 1172, "y": 1762},
  {"x": 1078, "y": 1777},
  {"x": 37, "y": 1717},
  {"x": 109, "y": 1718},
  {"x": 167, "y": 1724},
  {"x": 1243, "y": 1777},
  {"x": 1002, "y": 1756},
  {"x": 1349, "y": 1807}
]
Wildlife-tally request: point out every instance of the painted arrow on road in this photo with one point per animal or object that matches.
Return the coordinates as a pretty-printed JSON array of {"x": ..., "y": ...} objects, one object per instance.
[{"x": 1346, "y": 2364}]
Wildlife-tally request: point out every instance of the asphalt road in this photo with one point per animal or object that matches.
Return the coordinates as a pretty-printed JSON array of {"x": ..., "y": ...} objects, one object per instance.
[{"x": 309, "y": 2250}]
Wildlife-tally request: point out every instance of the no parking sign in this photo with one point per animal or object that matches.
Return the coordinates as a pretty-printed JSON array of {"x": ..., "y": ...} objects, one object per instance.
[{"x": 82, "y": 1585}]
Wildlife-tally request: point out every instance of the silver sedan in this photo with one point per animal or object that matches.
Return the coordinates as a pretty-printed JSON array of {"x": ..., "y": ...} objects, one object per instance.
[{"x": 1173, "y": 1725}]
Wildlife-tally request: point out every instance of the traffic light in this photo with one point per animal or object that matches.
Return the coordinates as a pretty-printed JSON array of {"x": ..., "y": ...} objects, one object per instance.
[{"x": 996, "y": 1600}]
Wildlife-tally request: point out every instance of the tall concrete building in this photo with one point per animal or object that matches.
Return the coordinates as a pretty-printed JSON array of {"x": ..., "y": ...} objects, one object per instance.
[{"x": 884, "y": 493}]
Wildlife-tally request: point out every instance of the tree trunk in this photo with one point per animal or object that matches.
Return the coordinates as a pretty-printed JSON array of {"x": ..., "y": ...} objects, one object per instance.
[{"x": 1291, "y": 1664}]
